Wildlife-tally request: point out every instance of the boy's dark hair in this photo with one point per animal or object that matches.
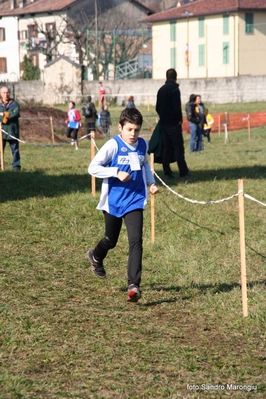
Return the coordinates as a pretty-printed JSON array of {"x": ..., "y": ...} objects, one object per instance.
[
  {"x": 171, "y": 74},
  {"x": 131, "y": 115},
  {"x": 73, "y": 103},
  {"x": 89, "y": 99}
]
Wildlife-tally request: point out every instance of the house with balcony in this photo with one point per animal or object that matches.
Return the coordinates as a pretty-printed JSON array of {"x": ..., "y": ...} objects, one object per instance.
[
  {"x": 38, "y": 28},
  {"x": 210, "y": 39}
]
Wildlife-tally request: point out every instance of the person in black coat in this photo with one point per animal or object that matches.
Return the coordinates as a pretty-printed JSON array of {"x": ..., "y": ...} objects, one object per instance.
[
  {"x": 193, "y": 117},
  {"x": 168, "y": 107}
]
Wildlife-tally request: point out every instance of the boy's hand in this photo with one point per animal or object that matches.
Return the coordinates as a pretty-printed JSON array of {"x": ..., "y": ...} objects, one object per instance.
[
  {"x": 123, "y": 176},
  {"x": 153, "y": 188}
]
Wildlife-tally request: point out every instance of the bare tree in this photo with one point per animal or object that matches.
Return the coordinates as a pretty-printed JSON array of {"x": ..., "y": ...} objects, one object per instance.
[
  {"x": 99, "y": 49},
  {"x": 54, "y": 35},
  {"x": 103, "y": 38}
]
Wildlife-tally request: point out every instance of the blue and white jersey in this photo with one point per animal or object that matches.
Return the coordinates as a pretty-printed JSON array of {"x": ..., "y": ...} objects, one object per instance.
[{"x": 119, "y": 198}]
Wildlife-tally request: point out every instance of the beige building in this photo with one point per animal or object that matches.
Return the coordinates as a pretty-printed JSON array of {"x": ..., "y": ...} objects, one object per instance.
[{"x": 210, "y": 38}]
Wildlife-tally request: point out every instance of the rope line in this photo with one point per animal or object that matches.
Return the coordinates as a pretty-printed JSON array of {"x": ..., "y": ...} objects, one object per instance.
[
  {"x": 44, "y": 145},
  {"x": 34, "y": 144},
  {"x": 94, "y": 142},
  {"x": 211, "y": 202},
  {"x": 254, "y": 199},
  {"x": 14, "y": 138},
  {"x": 195, "y": 201}
]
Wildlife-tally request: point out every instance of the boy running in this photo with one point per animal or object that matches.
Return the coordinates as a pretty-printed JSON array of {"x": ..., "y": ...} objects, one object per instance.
[{"x": 123, "y": 165}]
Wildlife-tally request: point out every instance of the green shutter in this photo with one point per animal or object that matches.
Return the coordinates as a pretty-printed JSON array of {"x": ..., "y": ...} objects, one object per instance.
[
  {"x": 172, "y": 31},
  {"x": 202, "y": 55},
  {"x": 201, "y": 27},
  {"x": 226, "y": 53},
  {"x": 249, "y": 27},
  {"x": 173, "y": 57},
  {"x": 226, "y": 24}
]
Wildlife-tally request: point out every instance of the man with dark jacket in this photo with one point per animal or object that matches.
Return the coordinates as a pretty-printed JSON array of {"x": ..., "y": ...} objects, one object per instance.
[
  {"x": 168, "y": 107},
  {"x": 9, "y": 117}
]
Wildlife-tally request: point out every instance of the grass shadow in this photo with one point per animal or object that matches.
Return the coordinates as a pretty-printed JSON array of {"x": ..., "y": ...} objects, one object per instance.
[
  {"x": 198, "y": 290},
  {"x": 195, "y": 224},
  {"x": 22, "y": 185},
  {"x": 255, "y": 251}
]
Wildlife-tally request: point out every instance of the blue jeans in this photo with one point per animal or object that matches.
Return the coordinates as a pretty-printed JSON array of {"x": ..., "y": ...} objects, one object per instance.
[
  {"x": 195, "y": 137},
  {"x": 14, "y": 145}
]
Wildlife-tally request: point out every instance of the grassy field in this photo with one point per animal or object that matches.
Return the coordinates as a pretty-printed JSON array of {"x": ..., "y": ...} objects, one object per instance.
[{"x": 66, "y": 334}]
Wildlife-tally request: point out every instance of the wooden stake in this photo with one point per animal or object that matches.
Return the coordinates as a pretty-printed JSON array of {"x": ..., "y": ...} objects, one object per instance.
[
  {"x": 93, "y": 178},
  {"x": 152, "y": 203},
  {"x": 242, "y": 247},
  {"x": 52, "y": 128},
  {"x": 219, "y": 124},
  {"x": 2, "y": 148},
  {"x": 248, "y": 127},
  {"x": 225, "y": 133}
]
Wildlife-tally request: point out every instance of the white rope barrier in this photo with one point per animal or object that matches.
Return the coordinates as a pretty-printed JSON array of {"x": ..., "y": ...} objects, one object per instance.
[
  {"x": 49, "y": 145},
  {"x": 33, "y": 144},
  {"x": 94, "y": 142},
  {"x": 14, "y": 138},
  {"x": 195, "y": 201},
  {"x": 84, "y": 137},
  {"x": 254, "y": 199},
  {"x": 43, "y": 145},
  {"x": 212, "y": 201}
]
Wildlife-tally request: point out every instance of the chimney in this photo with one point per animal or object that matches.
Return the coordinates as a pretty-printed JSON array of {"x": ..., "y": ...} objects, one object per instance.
[
  {"x": 13, "y": 4},
  {"x": 22, "y": 3}
]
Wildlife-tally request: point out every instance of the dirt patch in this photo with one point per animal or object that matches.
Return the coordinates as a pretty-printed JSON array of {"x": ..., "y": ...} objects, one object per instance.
[{"x": 38, "y": 123}]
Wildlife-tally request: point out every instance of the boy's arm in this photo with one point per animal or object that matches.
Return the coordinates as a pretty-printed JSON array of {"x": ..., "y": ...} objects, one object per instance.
[
  {"x": 149, "y": 175},
  {"x": 99, "y": 165},
  {"x": 150, "y": 178}
]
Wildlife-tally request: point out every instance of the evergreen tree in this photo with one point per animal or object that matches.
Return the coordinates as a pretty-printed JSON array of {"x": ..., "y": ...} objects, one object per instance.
[{"x": 30, "y": 71}]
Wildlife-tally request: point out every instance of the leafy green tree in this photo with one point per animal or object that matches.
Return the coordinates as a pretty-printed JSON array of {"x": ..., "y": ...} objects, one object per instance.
[{"x": 30, "y": 71}]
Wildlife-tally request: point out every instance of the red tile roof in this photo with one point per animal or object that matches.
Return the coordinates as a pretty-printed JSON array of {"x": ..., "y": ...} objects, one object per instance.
[
  {"x": 207, "y": 7},
  {"x": 38, "y": 6}
]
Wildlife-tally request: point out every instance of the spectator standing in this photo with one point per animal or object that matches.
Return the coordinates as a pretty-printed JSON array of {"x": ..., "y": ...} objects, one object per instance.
[
  {"x": 9, "y": 117},
  {"x": 193, "y": 118},
  {"x": 89, "y": 112},
  {"x": 73, "y": 123},
  {"x": 123, "y": 164},
  {"x": 168, "y": 107},
  {"x": 208, "y": 125},
  {"x": 101, "y": 95},
  {"x": 105, "y": 120},
  {"x": 201, "y": 111},
  {"x": 130, "y": 102}
]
